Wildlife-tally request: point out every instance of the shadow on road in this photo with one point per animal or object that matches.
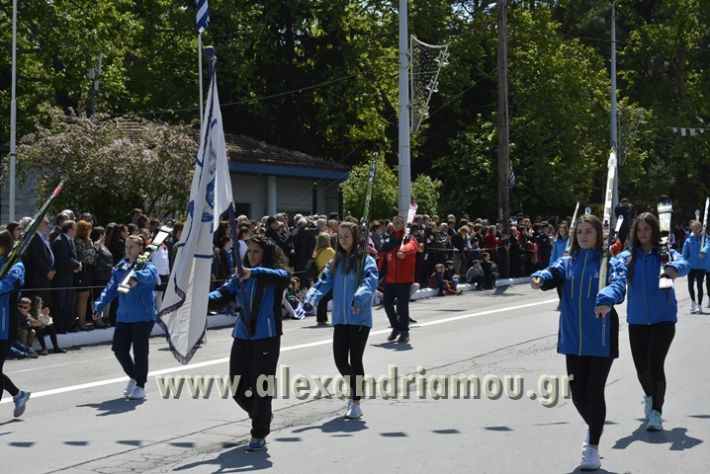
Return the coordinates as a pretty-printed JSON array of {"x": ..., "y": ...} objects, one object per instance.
[
  {"x": 11, "y": 421},
  {"x": 113, "y": 407},
  {"x": 394, "y": 345},
  {"x": 677, "y": 438},
  {"x": 336, "y": 425},
  {"x": 234, "y": 460},
  {"x": 598, "y": 471}
]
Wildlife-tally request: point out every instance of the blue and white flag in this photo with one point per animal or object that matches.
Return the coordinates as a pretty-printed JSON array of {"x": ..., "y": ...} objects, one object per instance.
[
  {"x": 183, "y": 313},
  {"x": 202, "y": 16}
]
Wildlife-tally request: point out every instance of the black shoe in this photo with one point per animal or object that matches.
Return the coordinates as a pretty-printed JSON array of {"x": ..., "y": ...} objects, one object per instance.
[
  {"x": 412, "y": 320},
  {"x": 59, "y": 350},
  {"x": 393, "y": 335},
  {"x": 323, "y": 323},
  {"x": 403, "y": 338}
]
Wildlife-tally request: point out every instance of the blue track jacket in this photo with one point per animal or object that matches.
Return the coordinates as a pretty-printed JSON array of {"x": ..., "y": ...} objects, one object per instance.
[
  {"x": 347, "y": 293},
  {"x": 580, "y": 331},
  {"x": 691, "y": 252},
  {"x": 647, "y": 304},
  {"x": 138, "y": 305},
  {"x": 264, "y": 291},
  {"x": 12, "y": 282}
]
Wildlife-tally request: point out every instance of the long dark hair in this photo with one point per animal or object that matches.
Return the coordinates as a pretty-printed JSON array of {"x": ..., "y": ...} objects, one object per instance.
[
  {"x": 351, "y": 261},
  {"x": 596, "y": 223},
  {"x": 652, "y": 222},
  {"x": 273, "y": 256},
  {"x": 6, "y": 242}
]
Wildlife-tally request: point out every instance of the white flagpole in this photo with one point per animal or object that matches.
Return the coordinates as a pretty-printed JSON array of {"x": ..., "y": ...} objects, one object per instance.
[
  {"x": 13, "y": 113},
  {"x": 199, "y": 69}
]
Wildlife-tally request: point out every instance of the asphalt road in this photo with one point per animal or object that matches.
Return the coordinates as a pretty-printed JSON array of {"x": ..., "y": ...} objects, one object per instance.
[{"x": 78, "y": 421}]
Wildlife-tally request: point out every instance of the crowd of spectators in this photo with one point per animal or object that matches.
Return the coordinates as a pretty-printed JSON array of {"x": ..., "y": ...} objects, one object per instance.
[{"x": 70, "y": 260}]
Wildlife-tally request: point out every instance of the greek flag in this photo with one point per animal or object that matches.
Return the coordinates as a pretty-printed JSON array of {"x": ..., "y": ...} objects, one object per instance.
[
  {"x": 511, "y": 176},
  {"x": 183, "y": 313},
  {"x": 203, "y": 16}
]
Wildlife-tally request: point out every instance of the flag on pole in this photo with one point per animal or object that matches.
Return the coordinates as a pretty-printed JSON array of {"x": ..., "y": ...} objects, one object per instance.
[
  {"x": 203, "y": 16},
  {"x": 184, "y": 308}
]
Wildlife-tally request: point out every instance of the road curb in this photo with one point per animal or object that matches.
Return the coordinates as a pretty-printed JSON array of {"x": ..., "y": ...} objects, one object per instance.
[{"x": 102, "y": 336}]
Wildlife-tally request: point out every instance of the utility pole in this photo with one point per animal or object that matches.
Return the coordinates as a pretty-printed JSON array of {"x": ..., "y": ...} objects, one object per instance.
[
  {"x": 614, "y": 119},
  {"x": 13, "y": 113},
  {"x": 503, "y": 150},
  {"x": 405, "y": 174}
]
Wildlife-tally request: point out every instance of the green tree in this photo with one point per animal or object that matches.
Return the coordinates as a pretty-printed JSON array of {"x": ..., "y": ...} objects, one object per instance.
[
  {"x": 425, "y": 191},
  {"x": 383, "y": 203},
  {"x": 112, "y": 166}
]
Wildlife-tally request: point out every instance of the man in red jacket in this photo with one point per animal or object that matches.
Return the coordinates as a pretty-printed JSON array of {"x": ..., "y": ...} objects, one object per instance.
[{"x": 400, "y": 259}]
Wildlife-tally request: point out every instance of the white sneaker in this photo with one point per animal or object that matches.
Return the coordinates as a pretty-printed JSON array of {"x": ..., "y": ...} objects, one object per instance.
[
  {"x": 591, "y": 461},
  {"x": 585, "y": 443},
  {"x": 354, "y": 411},
  {"x": 647, "y": 406},
  {"x": 693, "y": 308},
  {"x": 136, "y": 394},
  {"x": 654, "y": 422},
  {"x": 129, "y": 388}
]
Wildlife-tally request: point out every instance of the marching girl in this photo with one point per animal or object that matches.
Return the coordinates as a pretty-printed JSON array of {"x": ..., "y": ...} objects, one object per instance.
[
  {"x": 691, "y": 253},
  {"x": 651, "y": 312},
  {"x": 257, "y": 333},
  {"x": 705, "y": 256},
  {"x": 135, "y": 316},
  {"x": 352, "y": 308},
  {"x": 588, "y": 327},
  {"x": 9, "y": 286}
]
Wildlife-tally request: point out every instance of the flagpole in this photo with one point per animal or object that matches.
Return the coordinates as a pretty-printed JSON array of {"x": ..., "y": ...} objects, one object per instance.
[
  {"x": 199, "y": 73},
  {"x": 13, "y": 114}
]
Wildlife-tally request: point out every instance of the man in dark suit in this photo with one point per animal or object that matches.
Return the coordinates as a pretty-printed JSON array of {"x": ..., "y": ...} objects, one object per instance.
[
  {"x": 39, "y": 265},
  {"x": 66, "y": 264}
]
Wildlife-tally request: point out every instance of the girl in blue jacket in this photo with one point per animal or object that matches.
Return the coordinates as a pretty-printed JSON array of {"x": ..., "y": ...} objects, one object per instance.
[
  {"x": 257, "y": 333},
  {"x": 352, "y": 308},
  {"x": 691, "y": 253},
  {"x": 589, "y": 327},
  {"x": 705, "y": 256},
  {"x": 135, "y": 316},
  {"x": 651, "y": 312},
  {"x": 9, "y": 287}
]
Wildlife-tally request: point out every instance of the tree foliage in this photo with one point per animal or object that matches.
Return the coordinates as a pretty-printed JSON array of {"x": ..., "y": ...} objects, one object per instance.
[
  {"x": 426, "y": 191},
  {"x": 112, "y": 166},
  {"x": 320, "y": 76},
  {"x": 383, "y": 200}
]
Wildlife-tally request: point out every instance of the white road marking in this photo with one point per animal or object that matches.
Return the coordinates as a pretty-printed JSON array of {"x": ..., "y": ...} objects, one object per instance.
[{"x": 224, "y": 360}]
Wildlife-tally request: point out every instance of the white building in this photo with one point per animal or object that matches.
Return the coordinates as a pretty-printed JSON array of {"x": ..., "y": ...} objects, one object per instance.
[{"x": 267, "y": 179}]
